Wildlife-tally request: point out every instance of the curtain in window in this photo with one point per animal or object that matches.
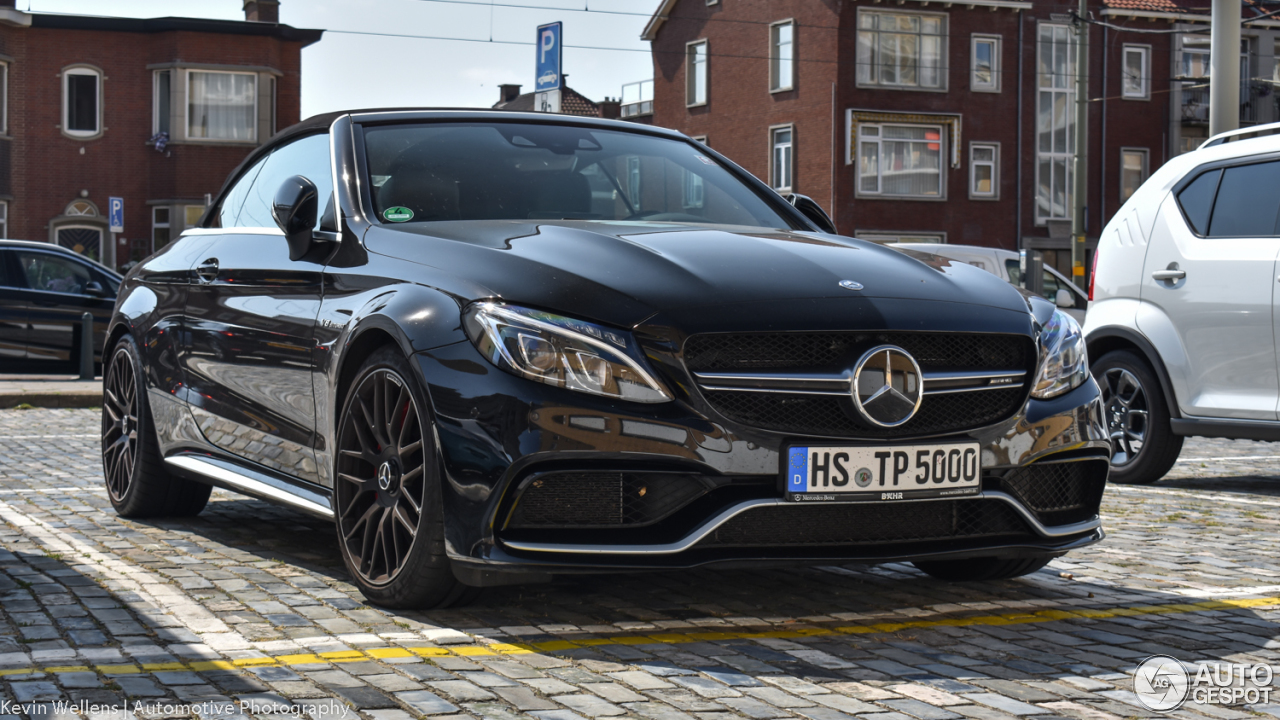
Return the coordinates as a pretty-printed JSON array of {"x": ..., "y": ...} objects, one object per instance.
[{"x": 221, "y": 106}]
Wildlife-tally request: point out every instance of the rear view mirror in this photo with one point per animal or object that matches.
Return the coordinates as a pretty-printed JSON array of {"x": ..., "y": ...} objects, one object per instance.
[
  {"x": 94, "y": 288},
  {"x": 294, "y": 210},
  {"x": 813, "y": 211},
  {"x": 1064, "y": 299}
]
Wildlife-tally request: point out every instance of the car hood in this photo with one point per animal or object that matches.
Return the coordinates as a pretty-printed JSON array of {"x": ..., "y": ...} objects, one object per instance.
[{"x": 622, "y": 272}]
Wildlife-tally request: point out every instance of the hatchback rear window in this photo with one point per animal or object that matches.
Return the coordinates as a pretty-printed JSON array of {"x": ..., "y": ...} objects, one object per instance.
[
  {"x": 1240, "y": 201},
  {"x": 1196, "y": 200}
]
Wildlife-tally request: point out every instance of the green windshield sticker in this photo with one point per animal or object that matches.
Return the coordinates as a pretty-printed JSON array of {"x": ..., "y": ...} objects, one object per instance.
[{"x": 397, "y": 214}]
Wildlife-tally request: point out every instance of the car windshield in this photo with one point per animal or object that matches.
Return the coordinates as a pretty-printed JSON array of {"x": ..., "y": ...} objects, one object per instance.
[{"x": 509, "y": 171}]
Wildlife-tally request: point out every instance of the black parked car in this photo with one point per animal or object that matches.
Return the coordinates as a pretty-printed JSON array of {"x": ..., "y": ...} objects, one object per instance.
[
  {"x": 495, "y": 347},
  {"x": 44, "y": 289}
]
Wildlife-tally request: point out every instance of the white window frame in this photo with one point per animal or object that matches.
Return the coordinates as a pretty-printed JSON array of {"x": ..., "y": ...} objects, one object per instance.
[
  {"x": 690, "y": 72},
  {"x": 1064, "y": 86},
  {"x": 156, "y": 109},
  {"x": 1146, "y": 166},
  {"x": 993, "y": 163},
  {"x": 777, "y": 83},
  {"x": 186, "y": 108},
  {"x": 870, "y": 78},
  {"x": 974, "y": 84},
  {"x": 790, "y": 167},
  {"x": 1145, "y": 52},
  {"x": 943, "y": 151},
  {"x": 67, "y": 72},
  {"x": 893, "y": 236}
]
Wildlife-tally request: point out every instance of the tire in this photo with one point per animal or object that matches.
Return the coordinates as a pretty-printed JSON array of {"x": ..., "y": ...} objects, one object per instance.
[
  {"x": 1136, "y": 413},
  {"x": 387, "y": 491},
  {"x": 983, "y": 568},
  {"x": 138, "y": 484}
]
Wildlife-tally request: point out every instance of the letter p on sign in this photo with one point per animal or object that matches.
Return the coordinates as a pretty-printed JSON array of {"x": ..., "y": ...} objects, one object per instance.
[{"x": 548, "y": 42}]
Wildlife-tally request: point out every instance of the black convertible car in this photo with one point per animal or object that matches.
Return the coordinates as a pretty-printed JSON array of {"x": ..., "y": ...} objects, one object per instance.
[{"x": 495, "y": 347}]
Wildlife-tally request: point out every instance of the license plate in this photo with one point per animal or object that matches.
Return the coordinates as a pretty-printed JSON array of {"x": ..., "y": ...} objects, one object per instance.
[{"x": 880, "y": 473}]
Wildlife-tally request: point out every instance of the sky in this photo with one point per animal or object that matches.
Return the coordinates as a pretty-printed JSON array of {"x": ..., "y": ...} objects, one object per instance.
[{"x": 355, "y": 71}]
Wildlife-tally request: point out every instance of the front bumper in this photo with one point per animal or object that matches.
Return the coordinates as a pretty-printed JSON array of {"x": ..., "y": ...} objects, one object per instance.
[{"x": 496, "y": 432}]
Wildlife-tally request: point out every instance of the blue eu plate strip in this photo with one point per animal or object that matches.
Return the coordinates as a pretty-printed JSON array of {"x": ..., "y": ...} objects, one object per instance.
[{"x": 797, "y": 468}]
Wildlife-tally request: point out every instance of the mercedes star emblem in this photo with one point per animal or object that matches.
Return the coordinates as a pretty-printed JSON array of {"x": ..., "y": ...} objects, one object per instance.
[
  {"x": 850, "y": 285},
  {"x": 384, "y": 476},
  {"x": 887, "y": 386}
]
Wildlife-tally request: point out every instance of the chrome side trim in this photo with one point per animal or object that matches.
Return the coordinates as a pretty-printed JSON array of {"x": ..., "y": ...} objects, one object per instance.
[
  {"x": 246, "y": 483},
  {"x": 828, "y": 384},
  {"x": 710, "y": 525},
  {"x": 974, "y": 375}
]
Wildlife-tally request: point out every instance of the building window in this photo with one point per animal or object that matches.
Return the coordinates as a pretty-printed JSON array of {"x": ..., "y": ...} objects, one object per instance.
[
  {"x": 984, "y": 64},
  {"x": 984, "y": 171},
  {"x": 782, "y": 65},
  {"x": 222, "y": 106},
  {"x": 191, "y": 215},
  {"x": 780, "y": 173},
  {"x": 81, "y": 102},
  {"x": 695, "y": 72},
  {"x": 883, "y": 236},
  {"x": 4, "y": 219},
  {"x": 162, "y": 86},
  {"x": 4, "y": 98},
  {"x": 901, "y": 50},
  {"x": 273, "y": 124},
  {"x": 900, "y": 160},
  {"x": 1133, "y": 171},
  {"x": 159, "y": 228},
  {"x": 1055, "y": 121},
  {"x": 694, "y": 191},
  {"x": 1137, "y": 72}
]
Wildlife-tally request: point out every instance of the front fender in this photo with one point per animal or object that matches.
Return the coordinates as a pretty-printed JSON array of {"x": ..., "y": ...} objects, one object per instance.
[{"x": 1114, "y": 323}]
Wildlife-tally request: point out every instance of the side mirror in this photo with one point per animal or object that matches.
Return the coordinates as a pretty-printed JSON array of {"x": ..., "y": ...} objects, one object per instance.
[
  {"x": 294, "y": 210},
  {"x": 812, "y": 210},
  {"x": 1063, "y": 299},
  {"x": 94, "y": 288}
]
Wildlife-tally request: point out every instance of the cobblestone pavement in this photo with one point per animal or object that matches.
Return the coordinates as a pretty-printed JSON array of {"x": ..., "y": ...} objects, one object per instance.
[{"x": 246, "y": 610}]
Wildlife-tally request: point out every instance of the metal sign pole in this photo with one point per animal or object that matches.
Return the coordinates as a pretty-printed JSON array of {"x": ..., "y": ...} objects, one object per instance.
[
  {"x": 1224, "y": 67},
  {"x": 1080, "y": 187}
]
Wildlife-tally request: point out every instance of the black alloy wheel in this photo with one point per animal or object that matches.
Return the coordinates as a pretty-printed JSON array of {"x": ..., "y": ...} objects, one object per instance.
[
  {"x": 119, "y": 423},
  {"x": 387, "y": 490},
  {"x": 1136, "y": 413},
  {"x": 1124, "y": 407},
  {"x": 138, "y": 483}
]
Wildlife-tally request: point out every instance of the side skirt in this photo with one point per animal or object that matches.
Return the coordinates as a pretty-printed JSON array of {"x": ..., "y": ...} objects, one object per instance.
[
  {"x": 1235, "y": 429},
  {"x": 218, "y": 472}
]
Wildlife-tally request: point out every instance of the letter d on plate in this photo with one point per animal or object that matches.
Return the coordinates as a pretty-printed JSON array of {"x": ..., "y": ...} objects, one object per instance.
[{"x": 797, "y": 468}]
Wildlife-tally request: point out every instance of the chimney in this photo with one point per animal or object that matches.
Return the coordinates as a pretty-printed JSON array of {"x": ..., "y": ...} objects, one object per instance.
[
  {"x": 264, "y": 11},
  {"x": 508, "y": 92},
  {"x": 610, "y": 108}
]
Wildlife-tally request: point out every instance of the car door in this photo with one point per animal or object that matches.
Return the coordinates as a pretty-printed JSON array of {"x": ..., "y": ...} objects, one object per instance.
[
  {"x": 59, "y": 290},
  {"x": 13, "y": 316},
  {"x": 250, "y": 319},
  {"x": 1207, "y": 290}
]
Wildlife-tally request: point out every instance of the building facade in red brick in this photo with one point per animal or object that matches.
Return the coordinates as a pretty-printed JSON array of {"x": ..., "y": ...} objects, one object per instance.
[
  {"x": 155, "y": 112},
  {"x": 944, "y": 121}
]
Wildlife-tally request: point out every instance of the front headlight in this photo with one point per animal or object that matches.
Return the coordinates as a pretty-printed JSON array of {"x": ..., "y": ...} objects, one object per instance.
[
  {"x": 1066, "y": 364},
  {"x": 563, "y": 352}
]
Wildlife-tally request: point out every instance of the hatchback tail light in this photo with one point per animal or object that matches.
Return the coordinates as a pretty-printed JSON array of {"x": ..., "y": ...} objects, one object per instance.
[{"x": 1093, "y": 272}]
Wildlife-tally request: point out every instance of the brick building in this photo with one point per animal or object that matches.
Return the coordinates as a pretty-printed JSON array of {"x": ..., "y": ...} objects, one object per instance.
[
  {"x": 572, "y": 102},
  {"x": 943, "y": 121},
  {"x": 155, "y": 111}
]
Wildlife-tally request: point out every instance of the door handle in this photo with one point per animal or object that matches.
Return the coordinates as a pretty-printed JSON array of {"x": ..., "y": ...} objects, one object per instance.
[
  {"x": 1170, "y": 273},
  {"x": 207, "y": 271}
]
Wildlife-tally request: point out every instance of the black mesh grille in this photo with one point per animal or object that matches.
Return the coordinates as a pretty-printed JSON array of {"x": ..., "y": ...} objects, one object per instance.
[
  {"x": 725, "y": 352},
  {"x": 868, "y": 523},
  {"x": 1059, "y": 493},
  {"x": 834, "y": 415},
  {"x": 584, "y": 500}
]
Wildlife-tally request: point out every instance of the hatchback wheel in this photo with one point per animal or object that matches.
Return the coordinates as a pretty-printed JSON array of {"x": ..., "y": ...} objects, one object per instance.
[
  {"x": 138, "y": 484},
  {"x": 1136, "y": 413},
  {"x": 387, "y": 493}
]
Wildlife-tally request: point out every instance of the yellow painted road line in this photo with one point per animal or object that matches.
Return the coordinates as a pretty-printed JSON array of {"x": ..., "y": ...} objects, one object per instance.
[{"x": 499, "y": 649}]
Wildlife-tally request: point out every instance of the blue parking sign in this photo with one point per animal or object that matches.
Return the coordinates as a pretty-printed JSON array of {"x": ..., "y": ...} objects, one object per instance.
[
  {"x": 549, "y": 57},
  {"x": 115, "y": 214}
]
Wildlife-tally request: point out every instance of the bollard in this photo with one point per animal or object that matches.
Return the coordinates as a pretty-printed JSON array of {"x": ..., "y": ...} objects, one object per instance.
[{"x": 86, "y": 346}]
